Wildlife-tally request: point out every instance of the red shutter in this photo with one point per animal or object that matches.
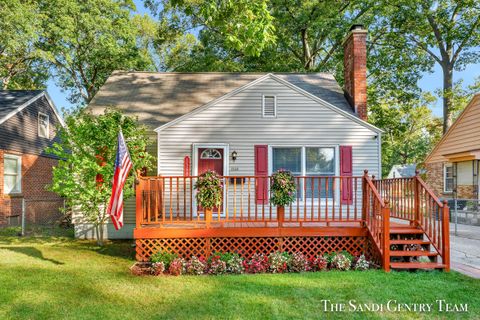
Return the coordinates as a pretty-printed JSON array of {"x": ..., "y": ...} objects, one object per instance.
[
  {"x": 186, "y": 166},
  {"x": 346, "y": 171},
  {"x": 261, "y": 170}
]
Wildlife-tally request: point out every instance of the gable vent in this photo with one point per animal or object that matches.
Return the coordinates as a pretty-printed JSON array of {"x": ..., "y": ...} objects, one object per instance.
[{"x": 269, "y": 106}]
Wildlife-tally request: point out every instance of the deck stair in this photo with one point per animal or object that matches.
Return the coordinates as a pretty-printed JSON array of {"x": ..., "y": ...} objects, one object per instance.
[{"x": 410, "y": 249}]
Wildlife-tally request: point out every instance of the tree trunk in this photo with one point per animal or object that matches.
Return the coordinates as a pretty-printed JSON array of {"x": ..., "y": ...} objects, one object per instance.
[
  {"x": 99, "y": 229},
  {"x": 447, "y": 96}
]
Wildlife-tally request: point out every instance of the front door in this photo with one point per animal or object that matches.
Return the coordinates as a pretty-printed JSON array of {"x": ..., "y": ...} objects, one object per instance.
[{"x": 210, "y": 159}]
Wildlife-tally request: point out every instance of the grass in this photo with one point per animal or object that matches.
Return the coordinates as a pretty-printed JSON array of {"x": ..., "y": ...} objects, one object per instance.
[{"x": 52, "y": 278}]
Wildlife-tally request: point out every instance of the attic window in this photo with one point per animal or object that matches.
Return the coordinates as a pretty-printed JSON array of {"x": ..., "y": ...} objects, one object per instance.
[
  {"x": 43, "y": 125},
  {"x": 269, "y": 106}
]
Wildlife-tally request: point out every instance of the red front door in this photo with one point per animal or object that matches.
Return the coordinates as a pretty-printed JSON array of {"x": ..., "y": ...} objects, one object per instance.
[{"x": 210, "y": 159}]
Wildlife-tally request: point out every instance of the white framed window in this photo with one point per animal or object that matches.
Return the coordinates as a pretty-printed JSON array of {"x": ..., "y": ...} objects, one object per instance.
[
  {"x": 43, "y": 125},
  {"x": 448, "y": 177},
  {"x": 307, "y": 161},
  {"x": 12, "y": 174},
  {"x": 269, "y": 106}
]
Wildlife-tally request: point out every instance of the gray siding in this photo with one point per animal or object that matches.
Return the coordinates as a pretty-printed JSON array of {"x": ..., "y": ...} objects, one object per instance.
[
  {"x": 238, "y": 122},
  {"x": 20, "y": 132}
]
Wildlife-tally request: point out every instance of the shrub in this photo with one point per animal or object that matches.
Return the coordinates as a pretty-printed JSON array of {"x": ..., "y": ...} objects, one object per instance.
[
  {"x": 165, "y": 257},
  {"x": 362, "y": 263},
  {"x": 257, "y": 264},
  {"x": 195, "y": 266},
  {"x": 342, "y": 261},
  {"x": 216, "y": 265},
  {"x": 209, "y": 190},
  {"x": 278, "y": 262},
  {"x": 157, "y": 268},
  {"x": 298, "y": 263},
  {"x": 176, "y": 267},
  {"x": 318, "y": 263},
  {"x": 282, "y": 188},
  {"x": 234, "y": 263}
]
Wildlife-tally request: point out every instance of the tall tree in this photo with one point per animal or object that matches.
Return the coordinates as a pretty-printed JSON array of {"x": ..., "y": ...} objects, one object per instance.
[
  {"x": 85, "y": 40},
  {"x": 21, "y": 64},
  {"x": 410, "y": 130},
  {"x": 447, "y": 30}
]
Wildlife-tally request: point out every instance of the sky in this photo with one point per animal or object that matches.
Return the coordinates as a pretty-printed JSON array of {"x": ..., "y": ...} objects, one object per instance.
[{"x": 429, "y": 82}]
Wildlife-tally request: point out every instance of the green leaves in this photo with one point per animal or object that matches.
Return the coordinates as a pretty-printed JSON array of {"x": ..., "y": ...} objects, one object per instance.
[
  {"x": 209, "y": 190},
  {"x": 283, "y": 188},
  {"x": 87, "y": 152}
]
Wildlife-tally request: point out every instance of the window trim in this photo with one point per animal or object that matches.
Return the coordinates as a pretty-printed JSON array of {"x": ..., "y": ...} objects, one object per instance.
[
  {"x": 304, "y": 163},
  {"x": 274, "y": 105},
  {"x": 19, "y": 174},
  {"x": 48, "y": 125},
  {"x": 445, "y": 166}
]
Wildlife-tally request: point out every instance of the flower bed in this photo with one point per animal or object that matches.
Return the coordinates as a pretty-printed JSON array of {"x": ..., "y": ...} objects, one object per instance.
[{"x": 232, "y": 263}]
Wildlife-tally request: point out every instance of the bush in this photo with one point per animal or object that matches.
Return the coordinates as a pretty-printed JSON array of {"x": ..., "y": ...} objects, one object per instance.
[
  {"x": 278, "y": 262},
  {"x": 177, "y": 267},
  {"x": 233, "y": 262},
  {"x": 257, "y": 264},
  {"x": 209, "y": 190},
  {"x": 283, "y": 188},
  {"x": 157, "y": 268},
  {"x": 195, "y": 266},
  {"x": 216, "y": 265},
  {"x": 318, "y": 263},
  {"x": 298, "y": 263},
  {"x": 165, "y": 257},
  {"x": 342, "y": 261},
  {"x": 362, "y": 263}
]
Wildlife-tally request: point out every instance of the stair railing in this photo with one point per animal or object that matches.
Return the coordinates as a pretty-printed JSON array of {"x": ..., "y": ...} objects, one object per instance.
[
  {"x": 411, "y": 199},
  {"x": 376, "y": 214},
  {"x": 433, "y": 217}
]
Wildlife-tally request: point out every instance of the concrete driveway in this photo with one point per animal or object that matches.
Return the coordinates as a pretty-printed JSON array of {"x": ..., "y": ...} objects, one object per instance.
[{"x": 465, "y": 249}]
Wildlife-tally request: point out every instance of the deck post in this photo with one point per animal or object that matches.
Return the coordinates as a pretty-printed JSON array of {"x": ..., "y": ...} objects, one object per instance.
[
  {"x": 280, "y": 215},
  {"x": 446, "y": 235},
  {"x": 417, "y": 199},
  {"x": 364, "y": 197},
  {"x": 386, "y": 237},
  {"x": 138, "y": 202},
  {"x": 208, "y": 217}
]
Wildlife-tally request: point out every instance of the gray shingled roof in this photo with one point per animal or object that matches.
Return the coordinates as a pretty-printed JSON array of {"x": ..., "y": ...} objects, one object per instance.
[
  {"x": 12, "y": 99},
  {"x": 160, "y": 97}
]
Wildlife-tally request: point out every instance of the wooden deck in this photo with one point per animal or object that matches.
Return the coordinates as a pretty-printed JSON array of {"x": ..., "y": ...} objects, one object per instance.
[{"x": 382, "y": 219}]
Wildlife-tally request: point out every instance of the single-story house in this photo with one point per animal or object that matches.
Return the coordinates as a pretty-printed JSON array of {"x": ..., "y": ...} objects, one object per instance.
[
  {"x": 249, "y": 123},
  {"x": 453, "y": 165},
  {"x": 246, "y": 126},
  {"x": 28, "y": 122}
]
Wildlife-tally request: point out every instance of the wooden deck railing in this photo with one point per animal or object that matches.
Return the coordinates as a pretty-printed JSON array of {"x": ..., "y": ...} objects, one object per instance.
[
  {"x": 376, "y": 214},
  {"x": 411, "y": 199},
  {"x": 166, "y": 200}
]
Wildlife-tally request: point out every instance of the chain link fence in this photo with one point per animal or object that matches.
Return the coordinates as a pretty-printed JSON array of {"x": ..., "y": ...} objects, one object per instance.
[
  {"x": 32, "y": 217},
  {"x": 464, "y": 211}
]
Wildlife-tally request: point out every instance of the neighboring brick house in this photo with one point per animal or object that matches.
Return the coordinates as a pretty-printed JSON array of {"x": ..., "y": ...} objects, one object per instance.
[
  {"x": 28, "y": 122},
  {"x": 453, "y": 165}
]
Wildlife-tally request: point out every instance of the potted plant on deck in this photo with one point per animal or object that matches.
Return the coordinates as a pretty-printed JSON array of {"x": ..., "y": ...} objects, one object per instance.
[
  {"x": 282, "y": 192},
  {"x": 209, "y": 193}
]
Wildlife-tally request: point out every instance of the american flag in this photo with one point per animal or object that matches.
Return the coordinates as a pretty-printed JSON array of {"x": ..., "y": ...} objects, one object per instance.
[{"x": 123, "y": 164}]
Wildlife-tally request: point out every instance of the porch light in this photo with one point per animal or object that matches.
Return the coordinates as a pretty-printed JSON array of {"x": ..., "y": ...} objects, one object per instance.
[{"x": 234, "y": 155}]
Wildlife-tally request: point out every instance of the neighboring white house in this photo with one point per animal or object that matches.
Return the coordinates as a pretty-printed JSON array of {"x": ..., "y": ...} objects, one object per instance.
[
  {"x": 403, "y": 171},
  {"x": 245, "y": 124}
]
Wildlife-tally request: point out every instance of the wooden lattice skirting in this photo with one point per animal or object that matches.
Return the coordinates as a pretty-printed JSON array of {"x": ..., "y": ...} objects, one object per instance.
[{"x": 247, "y": 246}]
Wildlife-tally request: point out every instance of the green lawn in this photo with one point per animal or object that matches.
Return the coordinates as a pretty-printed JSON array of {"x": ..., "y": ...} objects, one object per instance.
[{"x": 47, "y": 278}]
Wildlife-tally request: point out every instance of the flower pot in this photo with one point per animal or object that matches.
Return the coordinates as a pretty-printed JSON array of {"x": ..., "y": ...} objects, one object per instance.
[{"x": 280, "y": 215}]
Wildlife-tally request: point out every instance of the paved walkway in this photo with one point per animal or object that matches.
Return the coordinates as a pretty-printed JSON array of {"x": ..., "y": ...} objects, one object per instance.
[{"x": 465, "y": 249}]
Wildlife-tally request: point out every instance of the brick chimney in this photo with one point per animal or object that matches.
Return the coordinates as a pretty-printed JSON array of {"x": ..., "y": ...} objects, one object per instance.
[{"x": 355, "y": 69}]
